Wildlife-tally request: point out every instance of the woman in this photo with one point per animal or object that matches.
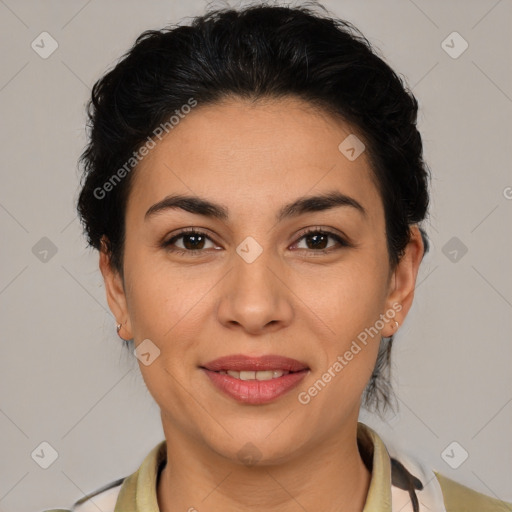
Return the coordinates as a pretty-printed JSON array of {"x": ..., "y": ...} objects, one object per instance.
[{"x": 254, "y": 185}]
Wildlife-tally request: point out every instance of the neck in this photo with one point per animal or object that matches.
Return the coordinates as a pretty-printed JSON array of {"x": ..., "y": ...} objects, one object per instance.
[{"x": 329, "y": 476}]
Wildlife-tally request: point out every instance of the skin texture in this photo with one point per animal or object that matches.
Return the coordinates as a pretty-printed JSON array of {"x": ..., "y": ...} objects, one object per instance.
[{"x": 293, "y": 300}]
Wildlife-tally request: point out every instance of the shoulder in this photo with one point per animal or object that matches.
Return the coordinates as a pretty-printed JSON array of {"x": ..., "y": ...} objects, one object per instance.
[
  {"x": 107, "y": 497},
  {"x": 459, "y": 498},
  {"x": 103, "y": 499},
  {"x": 433, "y": 491}
]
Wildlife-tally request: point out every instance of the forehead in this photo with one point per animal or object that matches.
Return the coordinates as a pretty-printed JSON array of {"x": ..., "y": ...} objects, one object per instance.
[{"x": 247, "y": 153}]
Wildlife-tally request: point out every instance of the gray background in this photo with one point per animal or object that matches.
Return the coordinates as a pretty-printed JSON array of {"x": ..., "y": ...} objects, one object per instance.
[{"x": 64, "y": 376}]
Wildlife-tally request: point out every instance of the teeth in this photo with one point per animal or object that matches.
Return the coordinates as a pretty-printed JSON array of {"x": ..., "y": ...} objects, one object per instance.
[
  {"x": 252, "y": 375},
  {"x": 266, "y": 375}
]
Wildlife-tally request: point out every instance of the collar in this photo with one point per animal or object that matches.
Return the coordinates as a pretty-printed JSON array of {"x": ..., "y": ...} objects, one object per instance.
[{"x": 139, "y": 490}]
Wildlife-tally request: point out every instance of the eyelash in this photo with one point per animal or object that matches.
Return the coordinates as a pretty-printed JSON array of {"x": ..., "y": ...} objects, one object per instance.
[{"x": 192, "y": 231}]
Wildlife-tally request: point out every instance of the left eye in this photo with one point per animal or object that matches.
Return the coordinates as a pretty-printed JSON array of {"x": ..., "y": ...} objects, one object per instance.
[{"x": 316, "y": 239}]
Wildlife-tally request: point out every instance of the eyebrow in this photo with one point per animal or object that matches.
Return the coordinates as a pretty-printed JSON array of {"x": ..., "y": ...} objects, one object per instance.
[{"x": 300, "y": 206}]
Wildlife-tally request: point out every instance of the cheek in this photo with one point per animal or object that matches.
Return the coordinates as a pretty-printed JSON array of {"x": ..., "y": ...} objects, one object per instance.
[
  {"x": 159, "y": 296},
  {"x": 163, "y": 307},
  {"x": 349, "y": 302},
  {"x": 350, "y": 298}
]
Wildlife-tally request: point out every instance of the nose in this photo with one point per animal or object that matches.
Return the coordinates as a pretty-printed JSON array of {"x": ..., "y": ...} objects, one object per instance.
[{"x": 255, "y": 297}]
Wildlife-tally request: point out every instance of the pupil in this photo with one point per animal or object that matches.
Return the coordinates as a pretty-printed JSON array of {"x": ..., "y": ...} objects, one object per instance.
[
  {"x": 193, "y": 246},
  {"x": 316, "y": 243}
]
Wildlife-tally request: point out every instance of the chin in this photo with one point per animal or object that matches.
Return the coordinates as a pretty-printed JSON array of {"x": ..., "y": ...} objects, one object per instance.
[{"x": 253, "y": 446}]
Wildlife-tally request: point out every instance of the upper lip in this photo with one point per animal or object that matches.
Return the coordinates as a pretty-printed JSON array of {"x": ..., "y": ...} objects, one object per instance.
[{"x": 241, "y": 362}]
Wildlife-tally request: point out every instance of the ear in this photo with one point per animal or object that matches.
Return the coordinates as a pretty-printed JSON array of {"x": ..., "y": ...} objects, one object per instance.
[
  {"x": 403, "y": 281},
  {"x": 114, "y": 288}
]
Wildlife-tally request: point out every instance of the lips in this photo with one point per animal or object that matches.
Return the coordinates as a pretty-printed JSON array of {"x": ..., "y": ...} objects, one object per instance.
[
  {"x": 240, "y": 362},
  {"x": 255, "y": 380}
]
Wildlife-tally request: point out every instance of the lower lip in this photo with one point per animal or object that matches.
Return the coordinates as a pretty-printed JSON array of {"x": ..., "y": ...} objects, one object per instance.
[{"x": 255, "y": 391}]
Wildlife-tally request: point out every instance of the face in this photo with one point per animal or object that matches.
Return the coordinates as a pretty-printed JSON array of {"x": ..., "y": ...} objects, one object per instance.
[{"x": 250, "y": 276}]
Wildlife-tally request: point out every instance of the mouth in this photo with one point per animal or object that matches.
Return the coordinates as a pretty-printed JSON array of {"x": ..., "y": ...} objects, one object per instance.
[
  {"x": 255, "y": 380},
  {"x": 255, "y": 375}
]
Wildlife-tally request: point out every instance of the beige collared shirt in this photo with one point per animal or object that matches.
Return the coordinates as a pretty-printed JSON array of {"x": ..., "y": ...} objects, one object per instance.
[{"x": 398, "y": 484}]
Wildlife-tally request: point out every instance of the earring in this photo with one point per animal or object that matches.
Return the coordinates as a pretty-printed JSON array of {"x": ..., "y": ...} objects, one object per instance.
[
  {"x": 396, "y": 324},
  {"x": 118, "y": 328}
]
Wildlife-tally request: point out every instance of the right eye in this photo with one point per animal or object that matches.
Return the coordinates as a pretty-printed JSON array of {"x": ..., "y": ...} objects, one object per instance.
[{"x": 193, "y": 242}]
